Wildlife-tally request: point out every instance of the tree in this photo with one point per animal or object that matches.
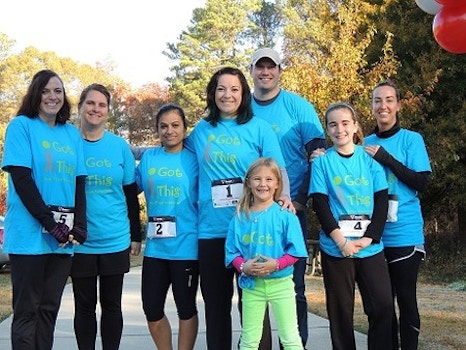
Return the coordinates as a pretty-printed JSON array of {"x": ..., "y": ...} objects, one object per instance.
[
  {"x": 214, "y": 39},
  {"x": 6, "y": 45},
  {"x": 325, "y": 45},
  {"x": 266, "y": 25},
  {"x": 137, "y": 110},
  {"x": 431, "y": 81},
  {"x": 18, "y": 70},
  {"x": 3, "y": 175}
]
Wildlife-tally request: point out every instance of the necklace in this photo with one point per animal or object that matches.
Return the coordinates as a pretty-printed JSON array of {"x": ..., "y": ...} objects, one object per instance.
[{"x": 255, "y": 218}]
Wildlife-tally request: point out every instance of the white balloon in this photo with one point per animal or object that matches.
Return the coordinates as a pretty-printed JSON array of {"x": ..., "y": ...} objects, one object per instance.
[{"x": 432, "y": 7}]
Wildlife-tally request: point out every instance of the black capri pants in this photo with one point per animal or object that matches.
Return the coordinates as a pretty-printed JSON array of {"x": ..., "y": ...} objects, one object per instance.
[{"x": 158, "y": 275}]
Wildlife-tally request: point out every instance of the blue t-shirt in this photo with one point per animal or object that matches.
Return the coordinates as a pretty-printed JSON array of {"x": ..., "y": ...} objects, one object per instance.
[
  {"x": 224, "y": 153},
  {"x": 350, "y": 184},
  {"x": 405, "y": 225},
  {"x": 110, "y": 166},
  {"x": 55, "y": 157},
  {"x": 272, "y": 232},
  {"x": 169, "y": 181},
  {"x": 295, "y": 123}
]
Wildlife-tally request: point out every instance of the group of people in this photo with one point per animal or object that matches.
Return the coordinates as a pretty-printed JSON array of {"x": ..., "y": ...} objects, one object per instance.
[
  {"x": 226, "y": 202},
  {"x": 72, "y": 210},
  {"x": 366, "y": 200}
]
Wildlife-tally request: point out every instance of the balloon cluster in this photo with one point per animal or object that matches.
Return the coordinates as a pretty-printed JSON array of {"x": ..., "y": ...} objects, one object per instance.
[{"x": 449, "y": 25}]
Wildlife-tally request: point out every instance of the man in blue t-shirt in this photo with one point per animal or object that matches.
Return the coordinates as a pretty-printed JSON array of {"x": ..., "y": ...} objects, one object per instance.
[{"x": 299, "y": 132}]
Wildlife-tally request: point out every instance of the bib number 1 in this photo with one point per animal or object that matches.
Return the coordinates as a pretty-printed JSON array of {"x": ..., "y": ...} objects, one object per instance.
[{"x": 226, "y": 192}]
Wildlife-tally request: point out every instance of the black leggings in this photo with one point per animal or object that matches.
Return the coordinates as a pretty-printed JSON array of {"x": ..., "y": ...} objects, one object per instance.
[
  {"x": 38, "y": 282},
  {"x": 85, "y": 319},
  {"x": 217, "y": 292},
  {"x": 403, "y": 276}
]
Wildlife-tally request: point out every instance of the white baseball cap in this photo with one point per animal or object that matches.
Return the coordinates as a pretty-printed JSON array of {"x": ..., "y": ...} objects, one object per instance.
[{"x": 266, "y": 52}]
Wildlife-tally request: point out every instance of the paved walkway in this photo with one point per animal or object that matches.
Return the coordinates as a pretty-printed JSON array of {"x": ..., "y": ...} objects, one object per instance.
[{"x": 136, "y": 335}]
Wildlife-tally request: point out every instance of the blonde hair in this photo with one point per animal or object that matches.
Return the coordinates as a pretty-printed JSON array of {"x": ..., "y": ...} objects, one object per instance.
[{"x": 247, "y": 198}]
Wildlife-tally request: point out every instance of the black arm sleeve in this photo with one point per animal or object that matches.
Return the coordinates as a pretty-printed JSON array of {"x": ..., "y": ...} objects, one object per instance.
[
  {"x": 417, "y": 180},
  {"x": 321, "y": 207},
  {"x": 379, "y": 216},
  {"x": 30, "y": 196},
  {"x": 302, "y": 197},
  {"x": 131, "y": 194},
  {"x": 80, "y": 203}
]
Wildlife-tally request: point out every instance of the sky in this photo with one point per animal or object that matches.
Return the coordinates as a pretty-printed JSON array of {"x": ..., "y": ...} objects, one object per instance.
[{"x": 131, "y": 33}]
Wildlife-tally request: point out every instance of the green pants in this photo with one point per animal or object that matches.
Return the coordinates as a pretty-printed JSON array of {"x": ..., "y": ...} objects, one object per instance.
[{"x": 280, "y": 294}]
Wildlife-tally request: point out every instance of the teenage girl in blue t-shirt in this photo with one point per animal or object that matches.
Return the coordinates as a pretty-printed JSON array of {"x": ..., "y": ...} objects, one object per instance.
[
  {"x": 404, "y": 157},
  {"x": 350, "y": 198}
]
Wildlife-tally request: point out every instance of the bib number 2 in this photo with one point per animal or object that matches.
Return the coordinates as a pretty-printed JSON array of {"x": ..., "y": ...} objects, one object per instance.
[{"x": 161, "y": 227}]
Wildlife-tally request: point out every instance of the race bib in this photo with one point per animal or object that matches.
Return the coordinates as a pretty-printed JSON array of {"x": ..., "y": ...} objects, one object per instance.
[
  {"x": 226, "y": 192},
  {"x": 392, "y": 214},
  {"x": 62, "y": 215},
  {"x": 161, "y": 227},
  {"x": 353, "y": 225}
]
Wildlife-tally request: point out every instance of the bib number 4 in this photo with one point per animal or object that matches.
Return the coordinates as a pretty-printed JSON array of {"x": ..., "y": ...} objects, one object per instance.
[{"x": 354, "y": 225}]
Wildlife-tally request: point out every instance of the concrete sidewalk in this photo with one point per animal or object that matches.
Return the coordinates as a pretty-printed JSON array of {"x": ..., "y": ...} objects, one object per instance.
[{"x": 136, "y": 334}]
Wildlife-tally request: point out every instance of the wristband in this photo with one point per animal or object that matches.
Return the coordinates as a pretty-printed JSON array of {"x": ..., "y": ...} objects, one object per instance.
[
  {"x": 60, "y": 232},
  {"x": 241, "y": 267},
  {"x": 79, "y": 234}
]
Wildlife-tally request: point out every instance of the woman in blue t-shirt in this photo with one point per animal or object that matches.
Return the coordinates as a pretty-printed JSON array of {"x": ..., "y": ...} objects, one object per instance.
[
  {"x": 114, "y": 228},
  {"x": 168, "y": 175},
  {"x": 44, "y": 158},
  {"x": 226, "y": 142},
  {"x": 404, "y": 157},
  {"x": 349, "y": 194}
]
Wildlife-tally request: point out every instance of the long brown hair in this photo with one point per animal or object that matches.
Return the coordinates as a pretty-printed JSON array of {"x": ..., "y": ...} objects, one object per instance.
[{"x": 30, "y": 106}]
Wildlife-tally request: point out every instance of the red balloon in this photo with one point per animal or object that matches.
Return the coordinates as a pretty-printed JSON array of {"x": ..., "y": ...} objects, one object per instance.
[
  {"x": 451, "y": 2},
  {"x": 449, "y": 28}
]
